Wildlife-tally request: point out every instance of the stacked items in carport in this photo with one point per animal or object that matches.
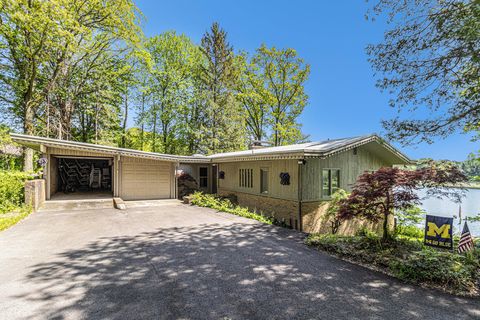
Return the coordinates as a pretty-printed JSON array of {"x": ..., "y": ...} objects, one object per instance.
[{"x": 82, "y": 175}]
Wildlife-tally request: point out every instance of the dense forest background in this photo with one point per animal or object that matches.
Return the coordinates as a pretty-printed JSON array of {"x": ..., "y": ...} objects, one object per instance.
[{"x": 83, "y": 70}]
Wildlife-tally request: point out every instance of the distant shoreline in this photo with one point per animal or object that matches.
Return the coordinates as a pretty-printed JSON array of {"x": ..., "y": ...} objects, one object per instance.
[{"x": 468, "y": 185}]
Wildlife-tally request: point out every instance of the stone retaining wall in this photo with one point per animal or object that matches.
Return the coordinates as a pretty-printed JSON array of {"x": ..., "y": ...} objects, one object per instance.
[
  {"x": 314, "y": 221},
  {"x": 35, "y": 193}
]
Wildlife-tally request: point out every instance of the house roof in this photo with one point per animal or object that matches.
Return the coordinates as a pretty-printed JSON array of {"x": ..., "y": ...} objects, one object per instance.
[{"x": 319, "y": 149}]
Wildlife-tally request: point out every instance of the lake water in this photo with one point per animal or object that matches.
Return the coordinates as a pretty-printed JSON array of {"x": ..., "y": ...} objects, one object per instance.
[{"x": 447, "y": 208}]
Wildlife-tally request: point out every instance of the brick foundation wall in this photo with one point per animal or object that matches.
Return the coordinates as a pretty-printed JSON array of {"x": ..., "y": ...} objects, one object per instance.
[
  {"x": 281, "y": 209},
  {"x": 313, "y": 213}
]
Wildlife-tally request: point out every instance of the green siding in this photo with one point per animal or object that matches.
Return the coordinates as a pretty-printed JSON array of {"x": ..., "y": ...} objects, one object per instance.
[{"x": 350, "y": 165}]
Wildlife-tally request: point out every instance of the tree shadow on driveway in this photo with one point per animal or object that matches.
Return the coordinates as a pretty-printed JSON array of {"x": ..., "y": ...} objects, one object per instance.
[{"x": 215, "y": 271}]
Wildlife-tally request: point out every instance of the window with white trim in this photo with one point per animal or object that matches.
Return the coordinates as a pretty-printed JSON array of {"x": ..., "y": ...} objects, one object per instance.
[{"x": 330, "y": 182}]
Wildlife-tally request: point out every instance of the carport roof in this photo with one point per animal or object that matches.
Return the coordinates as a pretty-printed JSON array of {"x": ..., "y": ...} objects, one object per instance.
[{"x": 37, "y": 143}]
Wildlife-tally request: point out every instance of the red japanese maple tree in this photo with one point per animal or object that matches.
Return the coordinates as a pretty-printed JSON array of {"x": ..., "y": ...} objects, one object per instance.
[{"x": 376, "y": 195}]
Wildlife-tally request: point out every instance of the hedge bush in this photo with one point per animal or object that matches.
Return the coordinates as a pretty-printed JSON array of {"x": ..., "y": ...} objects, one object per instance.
[
  {"x": 12, "y": 191},
  {"x": 408, "y": 259},
  {"x": 210, "y": 201}
]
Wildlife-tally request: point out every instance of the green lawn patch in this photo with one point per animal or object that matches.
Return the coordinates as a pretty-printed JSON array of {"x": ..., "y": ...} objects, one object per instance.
[
  {"x": 9, "y": 219},
  {"x": 408, "y": 259}
]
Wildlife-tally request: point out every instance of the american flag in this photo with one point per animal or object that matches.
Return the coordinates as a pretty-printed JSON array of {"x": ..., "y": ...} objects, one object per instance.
[{"x": 466, "y": 241}]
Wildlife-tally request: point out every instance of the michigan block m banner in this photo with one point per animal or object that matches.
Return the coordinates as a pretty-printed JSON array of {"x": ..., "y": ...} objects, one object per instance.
[{"x": 438, "y": 232}]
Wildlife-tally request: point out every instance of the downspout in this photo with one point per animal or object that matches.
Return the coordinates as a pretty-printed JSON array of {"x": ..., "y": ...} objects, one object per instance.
[
  {"x": 116, "y": 192},
  {"x": 301, "y": 163},
  {"x": 175, "y": 182}
]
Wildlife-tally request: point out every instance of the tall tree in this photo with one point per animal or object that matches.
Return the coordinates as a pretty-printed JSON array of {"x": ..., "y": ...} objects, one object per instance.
[
  {"x": 170, "y": 83},
  {"x": 253, "y": 95},
  {"x": 50, "y": 49},
  {"x": 225, "y": 128},
  {"x": 430, "y": 61},
  {"x": 28, "y": 32},
  {"x": 284, "y": 74}
]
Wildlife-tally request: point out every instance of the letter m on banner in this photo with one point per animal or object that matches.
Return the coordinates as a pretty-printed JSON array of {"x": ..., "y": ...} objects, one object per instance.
[{"x": 438, "y": 232}]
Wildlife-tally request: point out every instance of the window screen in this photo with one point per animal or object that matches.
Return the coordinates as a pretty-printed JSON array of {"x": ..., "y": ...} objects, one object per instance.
[
  {"x": 263, "y": 181},
  {"x": 330, "y": 181},
  {"x": 203, "y": 177}
]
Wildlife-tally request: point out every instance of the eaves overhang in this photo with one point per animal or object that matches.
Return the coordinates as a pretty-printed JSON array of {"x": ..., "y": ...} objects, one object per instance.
[{"x": 38, "y": 143}]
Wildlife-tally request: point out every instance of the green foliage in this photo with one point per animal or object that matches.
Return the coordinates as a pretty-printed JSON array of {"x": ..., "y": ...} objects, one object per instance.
[
  {"x": 60, "y": 73},
  {"x": 471, "y": 167},
  {"x": 7, "y": 161},
  {"x": 9, "y": 219},
  {"x": 12, "y": 190},
  {"x": 168, "y": 86},
  {"x": 76, "y": 70},
  {"x": 224, "y": 125},
  {"x": 429, "y": 60},
  {"x": 407, "y": 259},
  {"x": 333, "y": 207},
  {"x": 444, "y": 269},
  {"x": 283, "y": 74},
  {"x": 409, "y": 231},
  {"x": 225, "y": 205},
  {"x": 409, "y": 216}
]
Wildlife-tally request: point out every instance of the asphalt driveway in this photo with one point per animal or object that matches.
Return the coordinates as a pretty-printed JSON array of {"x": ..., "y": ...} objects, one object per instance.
[{"x": 174, "y": 261}]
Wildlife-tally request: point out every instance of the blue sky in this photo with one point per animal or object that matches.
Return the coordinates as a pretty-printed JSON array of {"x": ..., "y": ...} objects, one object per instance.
[{"x": 330, "y": 35}]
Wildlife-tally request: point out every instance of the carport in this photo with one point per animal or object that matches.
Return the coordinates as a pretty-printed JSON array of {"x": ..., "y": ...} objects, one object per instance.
[{"x": 84, "y": 170}]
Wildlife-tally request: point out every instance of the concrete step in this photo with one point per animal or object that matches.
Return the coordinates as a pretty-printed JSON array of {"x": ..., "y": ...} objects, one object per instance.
[{"x": 69, "y": 205}]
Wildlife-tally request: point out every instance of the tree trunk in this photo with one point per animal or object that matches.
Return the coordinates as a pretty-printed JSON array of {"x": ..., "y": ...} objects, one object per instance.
[
  {"x": 125, "y": 118},
  {"x": 386, "y": 233},
  {"x": 386, "y": 215},
  {"x": 28, "y": 129},
  {"x": 142, "y": 129},
  {"x": 154, "y": 133}
]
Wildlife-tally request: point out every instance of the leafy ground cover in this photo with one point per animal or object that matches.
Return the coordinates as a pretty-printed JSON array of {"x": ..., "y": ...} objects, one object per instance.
[
  {"x": 210, "y": 201},
  {"x": 9, "y": 219},
  {"x": 404, "y": 256},
  {"x": 12, "y": 193}
]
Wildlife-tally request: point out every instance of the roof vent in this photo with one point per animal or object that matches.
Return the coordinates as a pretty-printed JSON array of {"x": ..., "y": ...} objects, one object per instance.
[{"x": 257, "y": 144}]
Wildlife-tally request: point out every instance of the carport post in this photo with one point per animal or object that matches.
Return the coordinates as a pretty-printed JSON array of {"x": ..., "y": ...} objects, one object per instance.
[
  {"x": 47, "y": 176},
  {"x": 116, "y": 176}
]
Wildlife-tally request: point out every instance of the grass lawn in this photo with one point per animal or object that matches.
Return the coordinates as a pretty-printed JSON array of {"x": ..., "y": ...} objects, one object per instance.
[{"x": 9, "y": 219}]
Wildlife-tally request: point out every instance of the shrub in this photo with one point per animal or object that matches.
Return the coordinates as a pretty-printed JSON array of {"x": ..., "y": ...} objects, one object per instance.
[
  {"x": 409, "y": 231},
  {"x": 210, "y": 201},
  {"x": 12, "y": 190},
  {"x": 445, "y": 269},
  {"x": 407, "y": 259},
  {"x": 333, "y": 207},
  {"x": 409, "y": 216}
]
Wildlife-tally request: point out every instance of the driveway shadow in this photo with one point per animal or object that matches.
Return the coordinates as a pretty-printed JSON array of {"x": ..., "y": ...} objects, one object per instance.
[{"x": 214, "y": 271}]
